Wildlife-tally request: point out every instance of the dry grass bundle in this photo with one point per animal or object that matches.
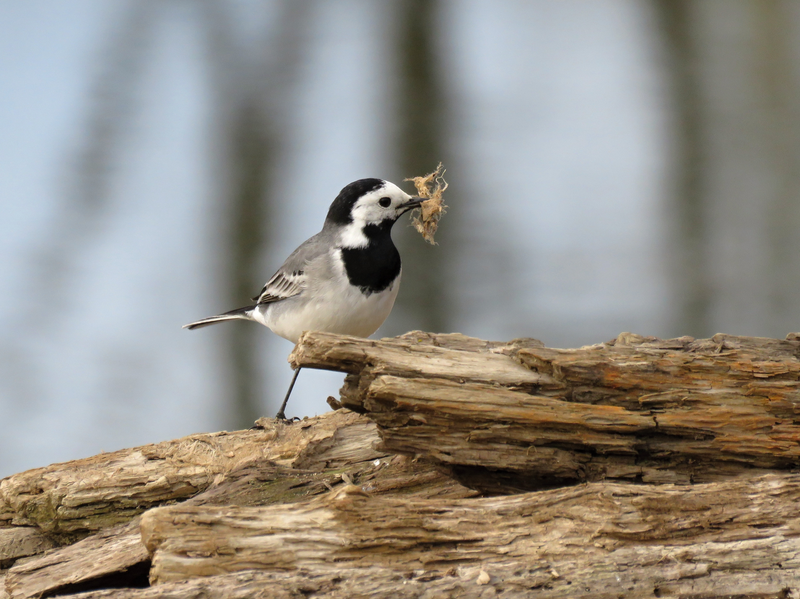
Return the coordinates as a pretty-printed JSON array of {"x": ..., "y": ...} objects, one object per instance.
[{"x": 431, "y": 187}]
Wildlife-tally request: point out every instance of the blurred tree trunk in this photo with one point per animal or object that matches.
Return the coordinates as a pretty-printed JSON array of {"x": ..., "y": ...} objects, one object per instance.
[
  {"x": 251, "y": 85},
  {"x": 111, "y": 104},
  {"x": 421, "y": 130},
  {"x": 253, "y": 97},
  {"x": 690, "y": 226},
  {"x": 776, "y": 26},
  {"x": 251, "y": 163},
  {"x": 737, "y": 100}
]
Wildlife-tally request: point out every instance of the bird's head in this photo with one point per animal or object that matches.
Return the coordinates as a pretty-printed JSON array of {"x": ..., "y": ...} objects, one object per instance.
[{"x": 366, "y": 207}]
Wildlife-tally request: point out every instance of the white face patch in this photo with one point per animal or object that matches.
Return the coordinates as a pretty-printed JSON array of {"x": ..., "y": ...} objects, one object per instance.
[
  {"x": 352, "y": 236},
  {"x": 369, "y": 211}
]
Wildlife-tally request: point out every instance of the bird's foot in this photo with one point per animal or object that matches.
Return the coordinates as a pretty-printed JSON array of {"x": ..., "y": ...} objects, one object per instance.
[{"x": 282, "y": 417}]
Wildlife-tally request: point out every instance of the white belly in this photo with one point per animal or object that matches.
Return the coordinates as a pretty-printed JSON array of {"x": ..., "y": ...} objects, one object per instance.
[{"x": 346, "y": 311}]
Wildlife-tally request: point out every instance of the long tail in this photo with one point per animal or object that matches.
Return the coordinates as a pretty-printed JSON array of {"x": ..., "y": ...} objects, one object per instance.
[{"x": 238, "y": 314}]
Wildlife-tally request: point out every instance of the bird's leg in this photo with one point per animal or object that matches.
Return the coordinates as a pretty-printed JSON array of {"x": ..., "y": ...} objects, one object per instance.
[{"x": 281, "y": 415}]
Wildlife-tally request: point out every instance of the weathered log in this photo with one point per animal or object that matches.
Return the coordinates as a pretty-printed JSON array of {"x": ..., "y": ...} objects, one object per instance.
[
  {"x": 514, "y": 416},
  {"x": 453, "y": 357},
  {"x": 739, "y": 537},
  {"x": 321, "y": 508},
  {"x": 22, "y": 541},
  {"x": 366, "y": 582},
  {"x": 333, "y": 450},
  {"x": 75, "y": 498},
  {"x": 112, "y": 557}
]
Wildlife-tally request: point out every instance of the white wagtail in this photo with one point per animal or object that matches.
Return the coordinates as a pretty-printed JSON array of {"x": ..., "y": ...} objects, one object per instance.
[{"x": 342, "y": 280}]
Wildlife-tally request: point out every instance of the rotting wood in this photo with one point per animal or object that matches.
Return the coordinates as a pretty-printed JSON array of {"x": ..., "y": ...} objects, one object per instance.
[
  {"x": 376, "y": 583},
  {"x": 453, "y": 357},
  {"x": 116, "y": 552},
  {"x": 79, "y": 497},
  {"x": 518, "y": 415},
  {"x": 334, "y": 450},
  {"x": 22, "y": 541},
  {"x": 532, "y": 580},
  {"x": 737, "y": 537}
]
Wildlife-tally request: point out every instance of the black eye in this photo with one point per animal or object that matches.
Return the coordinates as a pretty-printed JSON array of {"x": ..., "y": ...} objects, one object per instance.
[{"x": 385, "y": 202}]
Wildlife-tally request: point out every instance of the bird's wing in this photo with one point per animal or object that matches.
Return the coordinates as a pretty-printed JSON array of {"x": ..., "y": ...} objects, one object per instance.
[
  {"x": 282, "y": 285},
  {"x": 291, "y": 278}
]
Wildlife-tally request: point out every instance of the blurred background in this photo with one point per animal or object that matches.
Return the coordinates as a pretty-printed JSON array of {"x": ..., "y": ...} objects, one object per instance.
[{"x": 614, "y": 165}]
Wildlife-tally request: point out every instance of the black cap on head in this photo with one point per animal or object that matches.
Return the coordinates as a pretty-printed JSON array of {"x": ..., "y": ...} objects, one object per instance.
[{"x": 339, "y": 212}]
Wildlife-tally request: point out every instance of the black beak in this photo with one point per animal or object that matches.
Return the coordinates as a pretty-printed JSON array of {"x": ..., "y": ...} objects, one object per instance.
[{"x": 410, "y": 205}]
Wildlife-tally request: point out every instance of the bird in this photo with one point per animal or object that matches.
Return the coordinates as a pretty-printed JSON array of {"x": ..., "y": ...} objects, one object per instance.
[{"x": 342, "y": 280}]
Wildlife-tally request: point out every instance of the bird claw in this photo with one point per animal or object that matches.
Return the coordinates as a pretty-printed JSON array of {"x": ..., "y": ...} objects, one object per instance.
[{"x": 282, "y": 417}]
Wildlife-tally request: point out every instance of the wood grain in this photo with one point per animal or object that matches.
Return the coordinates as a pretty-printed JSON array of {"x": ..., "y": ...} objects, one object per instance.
[
  {"x": 522, "y": 416},
  {"x": 112, "y": 553},
  {"x": 22, "y": 541},
  {"x": 83, "y": 496},
  {"x": 592, "y": 540},
  {"x": 310, "y": 457}
]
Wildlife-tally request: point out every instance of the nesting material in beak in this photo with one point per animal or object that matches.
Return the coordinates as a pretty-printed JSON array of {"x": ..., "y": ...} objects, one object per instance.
[{"x": 430, "y": 187}]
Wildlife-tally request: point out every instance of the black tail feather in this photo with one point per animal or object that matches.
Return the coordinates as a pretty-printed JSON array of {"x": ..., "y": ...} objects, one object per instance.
[{"x": 238, "y": 314}]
